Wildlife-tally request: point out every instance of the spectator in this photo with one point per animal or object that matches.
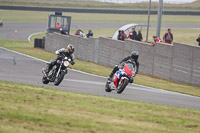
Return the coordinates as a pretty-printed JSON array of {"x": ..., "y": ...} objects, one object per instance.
[
  {"x": 123, "y": 35},
  {"x": 139, "y": 36},
  {"x": 156, "y": 40},
  {"x": 82, "y": 34},
  {"x": 168, "y": 37},
  {"x": 198, "y": 39},
  {"x": 132, "y": 35},
  {"x": 119, "y": 35},
  {"x": 78, "y": 32},
  {"x": 58, "y": 26},
  {"x": 90, "y": 33},
  {"x": 62, "y": 32}
]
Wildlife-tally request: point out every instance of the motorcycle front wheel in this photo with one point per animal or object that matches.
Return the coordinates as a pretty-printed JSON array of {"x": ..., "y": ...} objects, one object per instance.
[
  {"x": 122, "y": 86},
  {"x": 59, "y": 79}
]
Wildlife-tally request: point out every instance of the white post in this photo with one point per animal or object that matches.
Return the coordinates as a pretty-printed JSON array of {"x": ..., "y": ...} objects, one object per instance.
[
  {"x": 149, "y": 12},
  {"x": 160, "y": 6}
]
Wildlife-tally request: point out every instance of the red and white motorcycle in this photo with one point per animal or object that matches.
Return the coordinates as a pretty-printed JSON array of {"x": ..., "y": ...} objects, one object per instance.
[{"x": 125, "y": 74}]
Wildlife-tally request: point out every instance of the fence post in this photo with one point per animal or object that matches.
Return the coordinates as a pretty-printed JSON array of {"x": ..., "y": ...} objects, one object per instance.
[{"x": 96, "y": 51}]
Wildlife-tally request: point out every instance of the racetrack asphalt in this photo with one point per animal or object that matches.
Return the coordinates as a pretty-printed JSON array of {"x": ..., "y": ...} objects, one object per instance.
[
  {"x": 25, "y": 29},
  {"x": 16, "y": 67}
]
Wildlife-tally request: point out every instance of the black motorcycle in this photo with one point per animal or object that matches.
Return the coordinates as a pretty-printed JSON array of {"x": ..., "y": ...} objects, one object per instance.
[{"x": 58, "y": 71}]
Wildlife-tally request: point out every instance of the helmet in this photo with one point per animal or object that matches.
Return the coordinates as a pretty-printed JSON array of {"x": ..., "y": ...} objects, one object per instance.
[
  {"x": 70, "y": 49},
  {"x": 135, "y": 55}
]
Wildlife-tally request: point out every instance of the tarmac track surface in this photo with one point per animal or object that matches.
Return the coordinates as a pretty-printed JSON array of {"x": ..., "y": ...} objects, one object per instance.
[
  {"x": 19, "y": 68},
  {"x": 24, "y": 29}
]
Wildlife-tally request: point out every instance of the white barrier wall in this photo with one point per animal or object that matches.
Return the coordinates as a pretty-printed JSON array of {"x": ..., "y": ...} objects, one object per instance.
[{"x": 177, "y": 62}]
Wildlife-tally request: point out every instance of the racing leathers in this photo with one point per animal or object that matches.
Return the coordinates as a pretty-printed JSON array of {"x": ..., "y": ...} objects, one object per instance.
[{"x": 117, "y": 67}]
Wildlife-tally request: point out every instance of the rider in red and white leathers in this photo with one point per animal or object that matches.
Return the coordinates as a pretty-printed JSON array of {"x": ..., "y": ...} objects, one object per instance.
[{"x": 133, "y": 57}]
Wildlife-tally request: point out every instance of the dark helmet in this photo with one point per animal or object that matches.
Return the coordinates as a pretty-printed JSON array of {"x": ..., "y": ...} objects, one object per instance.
[
  {"x": 135, "y": 55},
  {"x": 70, "y": 49}
]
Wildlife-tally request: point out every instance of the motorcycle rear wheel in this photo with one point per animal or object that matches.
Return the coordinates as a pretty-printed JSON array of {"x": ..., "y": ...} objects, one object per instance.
[
  {"x": 122, "y": 86},
  {"x": 45, "y": 80},
  {"x": 59, "y": 79}
]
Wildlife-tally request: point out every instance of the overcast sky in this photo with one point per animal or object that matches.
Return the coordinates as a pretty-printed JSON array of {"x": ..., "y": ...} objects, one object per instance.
[{"x": 136, "y": 1}]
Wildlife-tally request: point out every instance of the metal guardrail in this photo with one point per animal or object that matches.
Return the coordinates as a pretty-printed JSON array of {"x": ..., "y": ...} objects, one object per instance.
[{"x": 85, "y": 10}]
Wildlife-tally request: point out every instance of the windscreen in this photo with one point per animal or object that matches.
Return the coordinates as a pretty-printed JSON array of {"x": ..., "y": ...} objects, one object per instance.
[{"x": 130, "y": 66}]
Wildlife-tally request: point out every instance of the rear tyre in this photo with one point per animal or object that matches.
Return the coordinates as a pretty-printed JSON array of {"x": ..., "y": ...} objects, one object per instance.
[
  {"x": 45, "y": 80},
  {"x": 123, "y": 85},
  {"x": 59, "y": 79},
  {"x": 107, "y": 87}
]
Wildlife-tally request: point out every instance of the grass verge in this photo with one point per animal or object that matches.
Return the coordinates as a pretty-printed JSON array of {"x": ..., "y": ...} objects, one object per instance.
[
  {"x": 31, "y": 109},
  {"x": 27, "y": 48},
  {"x": 36, "y": 16}
]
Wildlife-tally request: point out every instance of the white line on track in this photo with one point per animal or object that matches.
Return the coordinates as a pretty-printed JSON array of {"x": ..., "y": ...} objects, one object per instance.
[{"x": 29, "y": 37}]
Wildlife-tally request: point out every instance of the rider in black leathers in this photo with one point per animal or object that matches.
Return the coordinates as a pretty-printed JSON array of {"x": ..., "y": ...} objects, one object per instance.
[
  {"x": 68, "y": 52},
  {"x": 133, "y": 57}
]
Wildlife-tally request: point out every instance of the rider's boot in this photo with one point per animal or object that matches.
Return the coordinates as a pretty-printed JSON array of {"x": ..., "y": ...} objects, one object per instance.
[
  {"x": 47, "y": 69},
  {"x": 113, "y": 72},
  {"x": 110, "y": 76}
]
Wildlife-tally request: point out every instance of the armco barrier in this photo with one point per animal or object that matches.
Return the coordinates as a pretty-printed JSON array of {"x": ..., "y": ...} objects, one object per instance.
[{"x": 177, "y": 62}]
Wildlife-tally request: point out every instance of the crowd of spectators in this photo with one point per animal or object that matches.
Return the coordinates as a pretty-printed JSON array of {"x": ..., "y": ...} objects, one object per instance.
[
  {"x": 132, "y": 35},
  {"x": 80, "y": 33}
]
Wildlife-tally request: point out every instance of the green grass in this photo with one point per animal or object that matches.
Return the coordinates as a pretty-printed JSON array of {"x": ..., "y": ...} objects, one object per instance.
[
  {"x": 27, "y": 48},
  {"x": 32, "y": 109},
  {"x": 38, "y": 35},
  {"x": 34, "y": 16}
]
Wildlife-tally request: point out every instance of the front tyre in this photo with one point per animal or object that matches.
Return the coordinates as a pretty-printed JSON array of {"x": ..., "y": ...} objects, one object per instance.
[
  {"x": 122, "y": 86},
  {"x": 59, "y": 79},
  {"x": 107, "y": 87},
  {"x": 45, "y": 80}
]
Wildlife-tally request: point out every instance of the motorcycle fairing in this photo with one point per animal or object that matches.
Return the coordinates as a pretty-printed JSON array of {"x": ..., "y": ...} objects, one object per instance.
[{"x": 117, "y": 76}]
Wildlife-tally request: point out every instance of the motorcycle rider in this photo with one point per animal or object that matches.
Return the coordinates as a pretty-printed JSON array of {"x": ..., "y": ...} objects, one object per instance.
[
  {"x": 68, "y": 52},
  {"x": 133, "y": 58}
]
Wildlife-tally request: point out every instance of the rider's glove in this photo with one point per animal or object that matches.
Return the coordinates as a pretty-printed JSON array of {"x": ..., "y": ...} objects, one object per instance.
[{"x": 72, "y": 62}]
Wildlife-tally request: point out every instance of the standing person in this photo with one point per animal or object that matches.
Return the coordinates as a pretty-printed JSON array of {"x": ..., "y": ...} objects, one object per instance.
[
  {"x": 139, "y": 36},
  {"x": 168, "y": 37},
  {"x": 58, "y": 26},
  {"x": 132, "y": 35},
  {"x": 90, "y": 33},
  {"x": 119, "y": 35},
  {"x": 198, "y": 39},
  {"x": 123, "y": 35}
]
